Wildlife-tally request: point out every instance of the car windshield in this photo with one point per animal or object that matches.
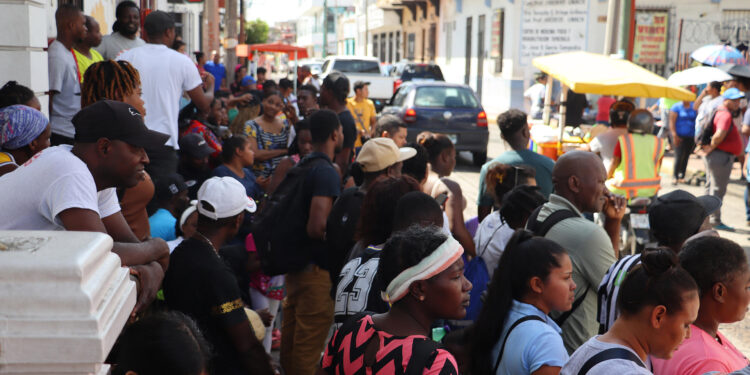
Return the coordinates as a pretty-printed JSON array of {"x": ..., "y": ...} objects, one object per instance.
[
  {"x": 357, "y": 66},
  {"x": 412, "y": 72},
  {"x": 440, "y": 96}
]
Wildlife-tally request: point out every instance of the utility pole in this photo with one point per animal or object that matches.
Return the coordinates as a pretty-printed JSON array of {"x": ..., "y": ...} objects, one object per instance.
[
  {"x": 325, "y": 28},
  {"x": 230, "y": 59},
  {"x": 241, "y": 39},
  {"x": 623, "y": 39},
  {"x": 611, "y": 30}
]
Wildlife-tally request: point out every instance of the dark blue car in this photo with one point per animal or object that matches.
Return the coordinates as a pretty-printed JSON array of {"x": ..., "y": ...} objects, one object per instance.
[{"x": 445, "y": 108}]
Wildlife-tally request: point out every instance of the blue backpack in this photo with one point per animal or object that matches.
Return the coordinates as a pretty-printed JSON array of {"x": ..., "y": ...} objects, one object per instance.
[{"x": 476, "y": 271}]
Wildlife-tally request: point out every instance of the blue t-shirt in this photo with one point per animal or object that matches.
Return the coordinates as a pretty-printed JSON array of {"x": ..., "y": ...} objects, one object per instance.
[
  {"x": 163, "y": 225},
  {"x": 252, "y": 189},
  {"x": 531, "y": 345},
  {"x": 685, "y": 123},
  {"x": 218, "y": 71},
  {"x": 541, "y": 163}
]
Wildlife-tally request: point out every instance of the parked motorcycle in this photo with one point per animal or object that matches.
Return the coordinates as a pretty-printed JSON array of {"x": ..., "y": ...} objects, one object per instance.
[{"x": 635, "y": 231}]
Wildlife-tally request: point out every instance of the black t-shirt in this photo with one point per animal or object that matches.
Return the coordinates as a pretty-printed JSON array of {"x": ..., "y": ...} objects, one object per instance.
[
  {"x": 199, "y": 284},
  {"x": 321, "y": 181},
  {"x": 574, "y": 110},
  {"x": 349, "y": 126},
  {"x": 359, "y": 287}
]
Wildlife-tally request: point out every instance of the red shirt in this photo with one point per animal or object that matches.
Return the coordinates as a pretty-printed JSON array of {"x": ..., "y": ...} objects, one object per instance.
[
  {"x": 603, "y": 105},
  {"x": 732, "y": 143}
]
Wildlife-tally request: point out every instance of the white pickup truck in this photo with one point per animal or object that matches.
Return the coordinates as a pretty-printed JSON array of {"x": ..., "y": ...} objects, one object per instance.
[{"x": 366, "y": 69}]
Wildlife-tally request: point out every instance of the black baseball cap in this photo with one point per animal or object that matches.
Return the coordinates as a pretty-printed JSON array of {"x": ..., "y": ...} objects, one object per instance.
[
  {"x": 195, "y": 146},
  {"x": 116, "y": 121},
  {"x": 360, "y": 84},
  {"x": 681, "y": 213},
  {"x": 169, "y": 185}
]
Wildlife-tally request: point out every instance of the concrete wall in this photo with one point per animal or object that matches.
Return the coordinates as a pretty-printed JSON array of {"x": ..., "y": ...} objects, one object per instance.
[{"x": 22, "y": 45}]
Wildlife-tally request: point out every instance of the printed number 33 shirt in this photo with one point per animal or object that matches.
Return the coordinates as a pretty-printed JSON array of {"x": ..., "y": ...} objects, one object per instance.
[{"x": 199, "y": 284}]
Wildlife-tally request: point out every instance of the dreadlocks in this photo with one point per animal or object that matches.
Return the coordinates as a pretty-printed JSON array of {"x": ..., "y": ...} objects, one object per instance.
[{"x": 108, "y": 80}]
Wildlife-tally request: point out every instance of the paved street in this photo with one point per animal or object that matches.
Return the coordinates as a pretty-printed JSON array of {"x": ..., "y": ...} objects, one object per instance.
[{"x": 733, "y": 210}]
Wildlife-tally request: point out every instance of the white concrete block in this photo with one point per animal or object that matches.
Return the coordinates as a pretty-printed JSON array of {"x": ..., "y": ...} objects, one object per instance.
[
  {"x": 64, "y": 298},
  {"x": 26, "y": 66},
  {"x": 24, "y": 25}
]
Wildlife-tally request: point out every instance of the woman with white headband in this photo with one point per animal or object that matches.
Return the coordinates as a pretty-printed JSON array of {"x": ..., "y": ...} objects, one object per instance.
[{"x": 423, "y": 271}]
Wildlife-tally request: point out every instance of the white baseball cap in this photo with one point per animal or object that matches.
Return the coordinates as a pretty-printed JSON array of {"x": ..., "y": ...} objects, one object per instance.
[{"x": 225, "y": 196}]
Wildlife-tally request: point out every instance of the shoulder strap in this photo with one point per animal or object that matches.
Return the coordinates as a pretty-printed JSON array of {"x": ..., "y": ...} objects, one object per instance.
[
  {"x": 562, "y": 318},
  {"x": 489, "y": 239},
  {"x": 609, "y": 354},
  {"x": 421, "y": 355},
  {"x": 505, "y": 340},
  {"x": 541, "y": 228}
]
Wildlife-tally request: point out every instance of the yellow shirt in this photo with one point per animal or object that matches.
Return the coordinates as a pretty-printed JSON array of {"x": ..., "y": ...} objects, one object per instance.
[
  {"x": 84, "y": 62},
  {"x": 362, "y": 111}
]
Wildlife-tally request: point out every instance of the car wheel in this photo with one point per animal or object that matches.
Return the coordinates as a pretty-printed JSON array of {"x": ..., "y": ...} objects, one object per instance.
[{"x": 479, "y": 158}]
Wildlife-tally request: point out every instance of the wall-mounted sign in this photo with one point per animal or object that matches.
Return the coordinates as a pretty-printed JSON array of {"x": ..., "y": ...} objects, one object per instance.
[
  {"x": 552, "y": 26},
  {"x": 650, "y": 44}
]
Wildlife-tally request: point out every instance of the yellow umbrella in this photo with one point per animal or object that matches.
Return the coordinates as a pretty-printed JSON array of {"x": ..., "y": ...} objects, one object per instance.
[{"x": 592, "y": 73}]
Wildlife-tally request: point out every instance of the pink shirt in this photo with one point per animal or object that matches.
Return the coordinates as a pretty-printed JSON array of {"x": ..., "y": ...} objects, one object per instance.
[{"x": 700, "y": 354}]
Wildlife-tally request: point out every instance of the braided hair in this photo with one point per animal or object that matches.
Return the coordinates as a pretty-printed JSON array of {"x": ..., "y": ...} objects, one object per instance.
[{"x": 108, "y": 79}]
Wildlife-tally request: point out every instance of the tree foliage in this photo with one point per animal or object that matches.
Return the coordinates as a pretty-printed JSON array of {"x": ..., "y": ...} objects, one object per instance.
[{"x": 256, "y": 32}]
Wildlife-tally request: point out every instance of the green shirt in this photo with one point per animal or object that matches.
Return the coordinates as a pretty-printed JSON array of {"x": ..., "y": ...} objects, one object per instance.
[
  {"x": 590, "y": 250},
  {"x": 541, "y": 163}
]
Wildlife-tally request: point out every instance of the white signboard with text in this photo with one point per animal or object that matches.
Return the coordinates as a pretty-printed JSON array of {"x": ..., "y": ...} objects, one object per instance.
[{"x": 552, "y": 26}]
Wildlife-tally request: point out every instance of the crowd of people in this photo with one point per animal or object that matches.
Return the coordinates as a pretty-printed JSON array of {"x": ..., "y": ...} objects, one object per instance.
[{"x": 254, "y": 217}]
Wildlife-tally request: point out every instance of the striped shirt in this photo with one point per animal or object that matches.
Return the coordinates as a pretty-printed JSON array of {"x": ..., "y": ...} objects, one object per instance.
[
  {"x": 267, "y": 141},
  {"x": 609, "y": 289}
]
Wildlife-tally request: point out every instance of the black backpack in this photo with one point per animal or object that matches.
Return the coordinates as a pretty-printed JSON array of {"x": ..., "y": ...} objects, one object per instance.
[
  {"x": 707, "y": 128},
  {"x": 540, "y": 228},
  {"x": 280, "y": 227}
]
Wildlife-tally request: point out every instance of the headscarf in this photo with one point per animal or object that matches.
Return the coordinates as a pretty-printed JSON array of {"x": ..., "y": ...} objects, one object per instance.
[{"x": 20, "y": 125}]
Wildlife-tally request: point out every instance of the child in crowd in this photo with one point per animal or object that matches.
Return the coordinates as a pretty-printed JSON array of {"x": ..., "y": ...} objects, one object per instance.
[{"x": 171, "y": 200}]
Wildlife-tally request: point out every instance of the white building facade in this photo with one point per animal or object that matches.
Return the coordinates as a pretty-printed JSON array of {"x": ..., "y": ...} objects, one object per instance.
[
  {"x": 310, "y": 24},
  {"x": 489, "y": 44}
]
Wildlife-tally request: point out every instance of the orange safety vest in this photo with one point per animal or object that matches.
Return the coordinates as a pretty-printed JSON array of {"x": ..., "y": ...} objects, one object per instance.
[{"x": 638, "y": 172}]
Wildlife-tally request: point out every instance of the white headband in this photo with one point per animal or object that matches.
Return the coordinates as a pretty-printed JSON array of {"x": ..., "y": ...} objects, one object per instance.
[{"x": 440, "y": 259}]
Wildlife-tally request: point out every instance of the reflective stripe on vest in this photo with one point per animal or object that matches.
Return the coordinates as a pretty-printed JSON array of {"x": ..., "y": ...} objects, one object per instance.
[{"x": 638, "y": 175}]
